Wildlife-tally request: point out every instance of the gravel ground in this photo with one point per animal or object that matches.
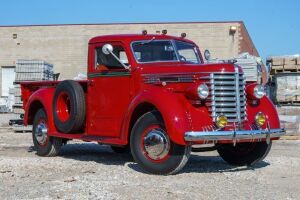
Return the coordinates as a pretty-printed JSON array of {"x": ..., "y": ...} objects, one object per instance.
[
  {"x": 91, "y": 171},
  {"x": 5, "y": 117}
]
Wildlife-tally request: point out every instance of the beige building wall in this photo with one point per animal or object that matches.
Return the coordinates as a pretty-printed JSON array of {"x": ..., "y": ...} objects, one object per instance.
[{"x": 65, "y": 46}]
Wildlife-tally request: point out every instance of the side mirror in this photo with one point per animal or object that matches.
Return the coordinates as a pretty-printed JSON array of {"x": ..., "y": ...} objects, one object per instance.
[
  {"x": 107, "y": 49},
  {"x": 207, "y": 55}
]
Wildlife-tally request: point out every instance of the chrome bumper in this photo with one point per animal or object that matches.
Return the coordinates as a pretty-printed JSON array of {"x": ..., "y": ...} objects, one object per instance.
[{"x": 233, "y": 135}]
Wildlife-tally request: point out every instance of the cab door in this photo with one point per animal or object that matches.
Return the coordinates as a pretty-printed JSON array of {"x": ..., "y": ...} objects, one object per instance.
[{"x": 108, "y": 91}]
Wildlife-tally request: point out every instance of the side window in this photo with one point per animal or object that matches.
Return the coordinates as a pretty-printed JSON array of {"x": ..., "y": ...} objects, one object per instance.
[{"x": 103, "y": 61}]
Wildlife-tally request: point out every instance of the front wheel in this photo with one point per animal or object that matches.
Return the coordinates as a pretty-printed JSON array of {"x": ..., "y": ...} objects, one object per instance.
[
  {"x": 152, "y": 148},
  {"x": 248, "y": 153},
  {"x": 44, "y": 145}
]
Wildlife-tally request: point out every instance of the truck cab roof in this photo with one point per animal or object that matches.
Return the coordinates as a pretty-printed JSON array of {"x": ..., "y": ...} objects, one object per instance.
[{"x": 135, "y": 37}]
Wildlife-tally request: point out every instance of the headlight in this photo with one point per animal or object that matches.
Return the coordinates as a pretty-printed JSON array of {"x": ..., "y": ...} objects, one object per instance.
[
  {"x": 221, "y": 121},
  {"x": 259, "y": 91},
  {"x": 203, "y": 91},
  {"x": 260, "y": 119}
]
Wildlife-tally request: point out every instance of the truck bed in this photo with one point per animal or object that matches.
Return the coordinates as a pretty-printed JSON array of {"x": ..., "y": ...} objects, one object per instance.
[{"x": 29, "y": 87}]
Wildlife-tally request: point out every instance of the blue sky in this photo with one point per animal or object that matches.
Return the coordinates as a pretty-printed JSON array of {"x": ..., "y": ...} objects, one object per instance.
[{"x": 273, "y": 25}]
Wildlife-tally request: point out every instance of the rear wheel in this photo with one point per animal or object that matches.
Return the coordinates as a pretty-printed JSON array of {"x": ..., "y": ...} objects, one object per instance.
[
  {"x": 69, "y": 107},
  {"x": 152, "y": 148},
  {"x": 44, "y": 145},
  {"x": 248, "y": 153}
]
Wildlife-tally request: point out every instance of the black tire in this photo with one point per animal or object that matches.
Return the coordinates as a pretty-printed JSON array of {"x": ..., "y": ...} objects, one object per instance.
[
  {"x": 75, "y": 107},
  {"x": 177, "y": 155},
  {"x": 121, "y": 150},
  {"x": 52, "y": 145},
  {"x": 244, "y": 153}
]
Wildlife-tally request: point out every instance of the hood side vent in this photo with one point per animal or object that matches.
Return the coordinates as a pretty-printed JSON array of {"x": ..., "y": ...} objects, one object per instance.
[{"x": 159, "y": 78}]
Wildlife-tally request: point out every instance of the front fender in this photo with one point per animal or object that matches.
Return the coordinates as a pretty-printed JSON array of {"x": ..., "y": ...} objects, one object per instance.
[
  {"x": 170, "y": 105},
  {"x": 43, "y": 96},
  {"x": 267, "y": 107}
]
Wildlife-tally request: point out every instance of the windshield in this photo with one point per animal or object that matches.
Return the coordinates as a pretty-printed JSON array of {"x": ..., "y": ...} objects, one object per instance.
[{"x": 165, "y": 51}]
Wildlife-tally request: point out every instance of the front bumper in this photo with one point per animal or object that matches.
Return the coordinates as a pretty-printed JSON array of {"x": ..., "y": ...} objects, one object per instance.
[{"x": 234, "y": 135}]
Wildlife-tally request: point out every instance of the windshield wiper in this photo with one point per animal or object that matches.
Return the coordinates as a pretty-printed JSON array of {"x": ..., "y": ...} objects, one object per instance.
[{"x": 142, "y": 43}]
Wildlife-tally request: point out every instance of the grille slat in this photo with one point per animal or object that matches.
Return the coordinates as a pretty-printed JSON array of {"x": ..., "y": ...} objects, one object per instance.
[
  {"x": 229, "y": 115},
  {"x": 225, "y": 88},
  {"x": 227, "y": 109},
  {"x": 241, "y": 83},
  {"x": 227, "y": 96},
  {"x": 225, "y": 99}
]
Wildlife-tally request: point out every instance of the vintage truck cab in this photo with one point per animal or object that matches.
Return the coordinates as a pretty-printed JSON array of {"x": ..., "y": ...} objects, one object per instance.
[{"x": 153, "y": 95}]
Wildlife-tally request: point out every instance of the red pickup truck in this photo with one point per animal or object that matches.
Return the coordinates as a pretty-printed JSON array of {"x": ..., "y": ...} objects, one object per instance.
[{"x": 153, "y": 95}]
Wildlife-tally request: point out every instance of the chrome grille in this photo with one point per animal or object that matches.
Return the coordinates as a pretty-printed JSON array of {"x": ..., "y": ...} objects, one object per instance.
[{"x": 227, "y": 96}]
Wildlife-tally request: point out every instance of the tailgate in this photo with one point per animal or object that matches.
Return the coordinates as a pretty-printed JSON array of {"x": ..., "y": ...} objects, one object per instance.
[{"x": 28, "y": 88}]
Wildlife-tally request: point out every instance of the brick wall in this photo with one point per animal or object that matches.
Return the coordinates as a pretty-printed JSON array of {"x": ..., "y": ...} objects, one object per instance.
[{"x": 65, "y": 46}]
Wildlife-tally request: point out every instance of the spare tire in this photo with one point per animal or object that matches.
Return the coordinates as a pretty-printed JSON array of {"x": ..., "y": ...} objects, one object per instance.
[{"x": 69, "y": 107}]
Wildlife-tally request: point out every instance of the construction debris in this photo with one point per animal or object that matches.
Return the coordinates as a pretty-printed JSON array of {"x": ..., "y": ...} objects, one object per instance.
[
  {"x": 7, "y": 102},
  {"x": 290, "y": 119},
  {"x": 33, "y": 70},
  {"x": 251, "y": 65},
  {"x": 285, "y": 79},
  {"x": 27, "y": 70},
  {"x": 287, "y": 88},
  {"x": 284, "y": 89},
  {"x": 80, "y": 76},
  {"x": 4, "y": 108}
]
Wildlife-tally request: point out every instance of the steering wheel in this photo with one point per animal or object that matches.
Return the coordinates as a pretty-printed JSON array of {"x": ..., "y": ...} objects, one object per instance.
[{"x": 182, "y": 58}]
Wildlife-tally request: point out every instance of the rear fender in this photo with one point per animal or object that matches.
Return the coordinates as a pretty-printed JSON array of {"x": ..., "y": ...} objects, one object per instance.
[
  {"x": 171, "y": 107},
  {"x": 44, "y": 97}
]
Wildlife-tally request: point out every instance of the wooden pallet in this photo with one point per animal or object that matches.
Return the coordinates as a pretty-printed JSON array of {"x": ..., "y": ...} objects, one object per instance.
[
  {"x": 288, "y": 103},
  {"x": 288, "y": 69},
  {"x": 285, "y": 98}
]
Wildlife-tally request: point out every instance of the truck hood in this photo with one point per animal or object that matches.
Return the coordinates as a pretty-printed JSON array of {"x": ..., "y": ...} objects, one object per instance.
[
  {"x": 179, "y": 77},
  {"x": 178, "y": 68}
]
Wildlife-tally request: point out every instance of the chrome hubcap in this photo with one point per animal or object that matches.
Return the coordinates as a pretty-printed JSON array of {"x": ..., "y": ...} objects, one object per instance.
[
  {"x": 41, "y": 133},
  {"x": 157, "y": 144}
]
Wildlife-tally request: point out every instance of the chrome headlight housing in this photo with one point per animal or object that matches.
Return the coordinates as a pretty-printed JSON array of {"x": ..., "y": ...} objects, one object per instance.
[
  {"x": 259, "y": 91},
  {"x": 203, "y": 91}
]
